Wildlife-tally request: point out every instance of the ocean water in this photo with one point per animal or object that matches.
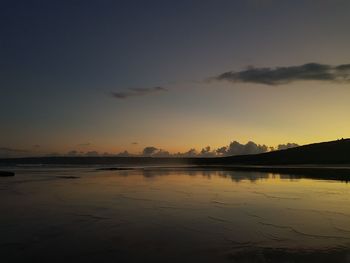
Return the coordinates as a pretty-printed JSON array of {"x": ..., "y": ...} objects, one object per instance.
[{"x": 81, "y": 214}]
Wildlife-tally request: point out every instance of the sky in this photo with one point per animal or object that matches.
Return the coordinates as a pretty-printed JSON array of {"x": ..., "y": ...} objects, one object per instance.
[{"x": 108, "y": 76}]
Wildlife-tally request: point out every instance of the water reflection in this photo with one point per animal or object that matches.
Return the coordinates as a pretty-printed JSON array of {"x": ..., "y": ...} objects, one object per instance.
[
  {"x": 172, "y": 215},
  {"x": 252, "y": 174}
]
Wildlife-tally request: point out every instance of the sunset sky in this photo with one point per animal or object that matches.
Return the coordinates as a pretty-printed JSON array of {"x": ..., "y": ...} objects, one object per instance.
[{"x": 110, "y": 76}]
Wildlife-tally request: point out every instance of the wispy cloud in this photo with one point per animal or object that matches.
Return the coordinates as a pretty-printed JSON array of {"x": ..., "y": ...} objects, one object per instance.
[
  {"x": 134, "y": 92},
  {"x": 284, "y": 75}
]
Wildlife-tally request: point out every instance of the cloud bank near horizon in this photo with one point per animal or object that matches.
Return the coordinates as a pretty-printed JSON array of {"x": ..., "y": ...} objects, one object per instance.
[
  {"x": 285, "y": 75},
  {"x": 234, "y": 148},
  {"x": 135, "y": 92}
]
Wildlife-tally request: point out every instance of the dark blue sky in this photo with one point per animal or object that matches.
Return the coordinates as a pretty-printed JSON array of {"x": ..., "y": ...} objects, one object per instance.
[{"x": 60, "y": 61}]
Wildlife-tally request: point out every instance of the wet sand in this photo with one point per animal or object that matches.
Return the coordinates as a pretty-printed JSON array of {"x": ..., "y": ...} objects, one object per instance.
[{"x": 172, "y": 215}]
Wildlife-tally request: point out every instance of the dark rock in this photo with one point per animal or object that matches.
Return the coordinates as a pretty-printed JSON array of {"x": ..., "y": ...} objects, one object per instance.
[{"x": 6, "y": 174}]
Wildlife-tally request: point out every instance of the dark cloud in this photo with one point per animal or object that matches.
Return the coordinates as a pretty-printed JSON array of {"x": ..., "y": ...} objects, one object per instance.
[
  {"x": 161, "y": 153},
  {"x": 123, "y": 154},
  {"x": 190, "y": 153},
  {"x": 207, "y": 152},
  {"x": 134, "y": 92},
  {"x": 222, "y": 150},
  {"x": 287, "y": 146},
  {"x": 149, "y": 151},
  {"x": 155, "y": 152},
  {"x": 236, "y": 148},
  {"x": 134, "y": 143},
  {"x": 284, "y": 75}
]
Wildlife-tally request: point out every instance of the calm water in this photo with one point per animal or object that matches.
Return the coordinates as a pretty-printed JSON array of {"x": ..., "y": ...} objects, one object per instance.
[{"x": 171, "y": 215}]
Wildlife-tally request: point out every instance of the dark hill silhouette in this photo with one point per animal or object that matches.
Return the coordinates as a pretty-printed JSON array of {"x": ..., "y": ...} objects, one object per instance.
[{"x": 332, "y": 153}]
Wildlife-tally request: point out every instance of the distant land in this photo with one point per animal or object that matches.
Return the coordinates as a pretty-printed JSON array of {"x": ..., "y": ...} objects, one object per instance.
[{"x": 325, "y": 153}]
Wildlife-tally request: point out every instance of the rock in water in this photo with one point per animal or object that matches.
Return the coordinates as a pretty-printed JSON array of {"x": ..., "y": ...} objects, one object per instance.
[{"x": 4, "y": 174}]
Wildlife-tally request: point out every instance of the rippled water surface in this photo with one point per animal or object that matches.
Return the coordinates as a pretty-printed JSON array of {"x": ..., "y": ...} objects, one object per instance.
[{"x": 171, "y": 215}]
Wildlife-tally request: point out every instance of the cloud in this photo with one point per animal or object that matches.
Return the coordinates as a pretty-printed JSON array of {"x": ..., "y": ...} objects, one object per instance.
[
  {"x": 123, "y": 154},
  {"x": 134, "y": 92},
  {"x": 287, "y": 146},
  {"x": 284, "y": 75},
  {"x": 149, "y": 151},
  {"x": 206, "y": 152},
  {"x": 236, "y": 148},
  {"x": 161, "y": 153},
  {"x": 190, "y": 153},
  {"x": 155, "y": 152}
]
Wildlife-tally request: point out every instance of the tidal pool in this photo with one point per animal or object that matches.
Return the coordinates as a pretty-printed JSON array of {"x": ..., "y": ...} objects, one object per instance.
[{"x": 171, "y": 215}]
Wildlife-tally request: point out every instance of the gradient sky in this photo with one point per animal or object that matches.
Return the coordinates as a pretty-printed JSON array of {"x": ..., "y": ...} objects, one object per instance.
[{"x": 62, "y": 61}]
